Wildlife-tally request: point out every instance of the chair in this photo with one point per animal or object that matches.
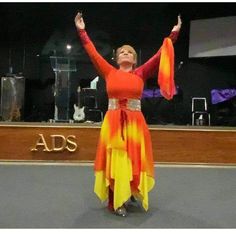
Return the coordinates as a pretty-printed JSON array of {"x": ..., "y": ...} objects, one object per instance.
[
  {"x": 90, "y": 101},
  {"x": 200, "y": 112}
]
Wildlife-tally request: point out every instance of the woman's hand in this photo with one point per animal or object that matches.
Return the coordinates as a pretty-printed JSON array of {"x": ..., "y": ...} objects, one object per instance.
[
  {"x": 178, "y": 26},
  {"x": 79, "y": 22}
]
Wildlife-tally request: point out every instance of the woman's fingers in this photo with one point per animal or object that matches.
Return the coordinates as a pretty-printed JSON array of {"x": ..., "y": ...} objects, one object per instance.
[
  {"x": 78, "y": 17},
  {"x": 179, "y": 20}
]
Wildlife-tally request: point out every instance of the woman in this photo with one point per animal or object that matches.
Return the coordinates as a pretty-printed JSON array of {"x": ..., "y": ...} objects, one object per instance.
[{"x": 124, "y": 166}]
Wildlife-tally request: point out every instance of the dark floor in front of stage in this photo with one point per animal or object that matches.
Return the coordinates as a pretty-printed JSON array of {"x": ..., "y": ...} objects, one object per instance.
[{"x": 62, "y": 197}]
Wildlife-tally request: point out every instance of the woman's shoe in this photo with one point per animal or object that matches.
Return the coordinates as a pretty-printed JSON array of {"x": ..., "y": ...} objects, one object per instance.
[
  {"x": 121, "y": 211},
  {"x": 133, "y": 199},
  {"x": 133, "y": 205}
]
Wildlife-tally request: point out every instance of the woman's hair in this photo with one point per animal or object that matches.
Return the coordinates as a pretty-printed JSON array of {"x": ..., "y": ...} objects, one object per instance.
[{"x": 127, "y": 47}]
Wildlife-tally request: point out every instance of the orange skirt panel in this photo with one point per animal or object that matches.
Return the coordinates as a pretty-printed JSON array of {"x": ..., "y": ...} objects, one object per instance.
[{"x": 124, "y": 159}]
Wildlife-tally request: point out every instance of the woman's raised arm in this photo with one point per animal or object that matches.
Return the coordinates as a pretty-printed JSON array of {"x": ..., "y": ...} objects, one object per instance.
[
  {"x": 149, "y": 69},
  {"x": 101, "y": 65}
]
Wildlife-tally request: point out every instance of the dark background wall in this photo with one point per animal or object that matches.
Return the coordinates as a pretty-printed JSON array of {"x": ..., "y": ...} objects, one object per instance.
[{"x": 28, "y": 28}]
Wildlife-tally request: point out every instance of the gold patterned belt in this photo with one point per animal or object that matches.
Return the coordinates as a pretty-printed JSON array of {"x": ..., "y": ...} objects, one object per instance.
[{"x": 130, "y": 104}]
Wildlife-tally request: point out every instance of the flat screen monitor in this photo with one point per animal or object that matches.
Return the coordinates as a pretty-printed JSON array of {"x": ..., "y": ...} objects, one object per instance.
[{"x": 213, "y": 37}]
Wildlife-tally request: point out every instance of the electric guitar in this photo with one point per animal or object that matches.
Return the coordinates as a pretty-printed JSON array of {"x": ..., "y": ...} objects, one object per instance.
[{"x": 79, "y": 114}]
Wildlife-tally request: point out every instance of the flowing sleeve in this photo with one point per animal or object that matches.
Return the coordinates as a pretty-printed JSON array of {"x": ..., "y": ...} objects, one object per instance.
[
  {"x": 101, "y": 65},
  {"x": 149, "y": 69},
  {"x": 163, "y": 64}
]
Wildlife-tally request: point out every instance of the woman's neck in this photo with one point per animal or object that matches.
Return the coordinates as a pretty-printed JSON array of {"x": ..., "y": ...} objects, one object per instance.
[{"x": 126, "y": 68}]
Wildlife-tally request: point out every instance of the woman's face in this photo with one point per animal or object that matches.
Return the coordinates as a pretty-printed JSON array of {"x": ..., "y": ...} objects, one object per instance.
[{"x": 125, "y": 56}]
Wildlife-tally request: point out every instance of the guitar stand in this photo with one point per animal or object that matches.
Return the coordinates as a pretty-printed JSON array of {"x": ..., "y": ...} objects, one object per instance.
[{"x": 61, "y": 121}]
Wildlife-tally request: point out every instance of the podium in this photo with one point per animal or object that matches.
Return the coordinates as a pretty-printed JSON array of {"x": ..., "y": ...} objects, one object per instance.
[
  {"x": 62, "y": 67},
  {"x": 12, "y": 98}
]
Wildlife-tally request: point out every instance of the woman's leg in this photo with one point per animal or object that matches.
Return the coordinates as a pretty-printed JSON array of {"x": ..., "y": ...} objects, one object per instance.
[{"x": 110, "y": 200}]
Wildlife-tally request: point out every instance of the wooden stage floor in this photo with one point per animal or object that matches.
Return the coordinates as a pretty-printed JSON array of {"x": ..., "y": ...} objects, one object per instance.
[{"x": 63, "y": 142}]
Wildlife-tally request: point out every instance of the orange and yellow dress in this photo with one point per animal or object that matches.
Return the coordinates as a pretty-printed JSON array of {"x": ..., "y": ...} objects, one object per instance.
[{"x": 124, "y": 158}]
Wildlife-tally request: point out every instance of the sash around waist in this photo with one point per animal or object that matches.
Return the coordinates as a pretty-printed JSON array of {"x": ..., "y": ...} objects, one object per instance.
[{"x": 130, "y": 104}]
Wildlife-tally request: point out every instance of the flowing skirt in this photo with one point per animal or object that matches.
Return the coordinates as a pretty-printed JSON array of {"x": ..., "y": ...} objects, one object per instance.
[{"x": 124, "y": 159}]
